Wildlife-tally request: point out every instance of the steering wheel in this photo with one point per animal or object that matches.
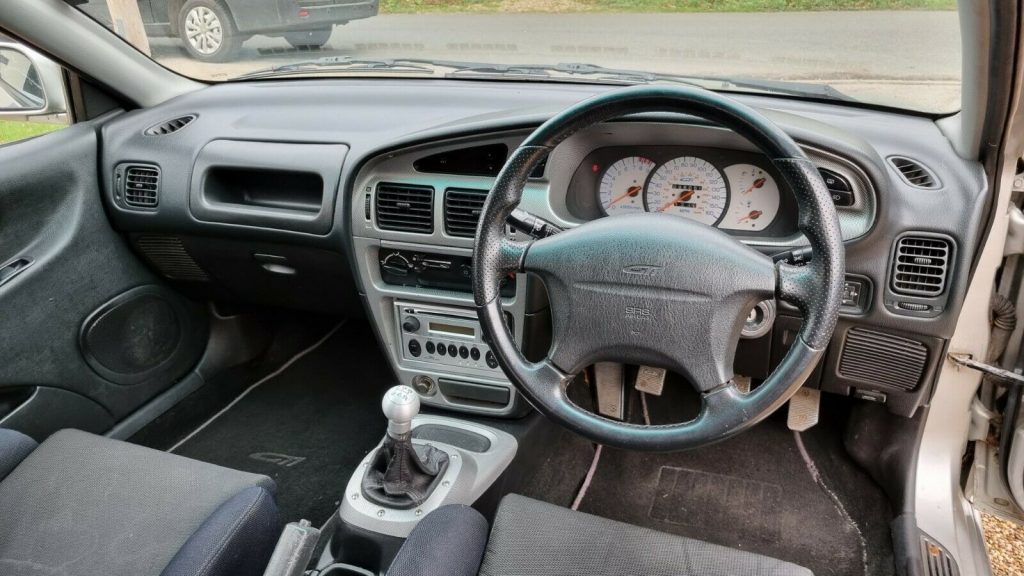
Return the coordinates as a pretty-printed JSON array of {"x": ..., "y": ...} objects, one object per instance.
[{"x": 659, "y": 290}]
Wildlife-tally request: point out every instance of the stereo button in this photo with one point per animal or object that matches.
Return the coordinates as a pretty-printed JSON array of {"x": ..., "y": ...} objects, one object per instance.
[
  {"x": 430, "y": 347},
  {"x": 492, "y": 362},
  {"x": 463, "y": 352},
  {"x": 474, "y": 353},
  {"x": 452, "y": 350},
  {"x": 414, "y": 348},
  {"x": 440, "y": 350}
]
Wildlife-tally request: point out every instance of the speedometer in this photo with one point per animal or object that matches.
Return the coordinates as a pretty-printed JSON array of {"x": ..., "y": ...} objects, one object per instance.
[
  {"x": 689, "y": 187},
  {"x": 622, "y": 185}
]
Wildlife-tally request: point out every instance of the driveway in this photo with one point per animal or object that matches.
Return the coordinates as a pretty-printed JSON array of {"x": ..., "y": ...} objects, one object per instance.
[{"x": 877, "y": 52}]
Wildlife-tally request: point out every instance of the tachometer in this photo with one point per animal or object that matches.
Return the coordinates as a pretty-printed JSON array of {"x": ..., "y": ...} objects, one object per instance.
[
  {"x": 690, "y": 187},
  {"x": 755, "y": 198},
  {"x": 622, "y": 185}
]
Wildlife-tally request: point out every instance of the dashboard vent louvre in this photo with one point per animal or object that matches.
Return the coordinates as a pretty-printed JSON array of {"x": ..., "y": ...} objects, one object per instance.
[
  {"x": 170, "y": 126},
  {"x": 937, "y": 561},
  {"x": 883, "y": 359},
  {"x": 914, "y": 173},
  {"x": 405, "y": 208},
  {"x": 141, "y": 186},
  {"x": 919, "y": 265},
  {"x": 462, "y": 209},
  {"x": 169, "y": 256}
]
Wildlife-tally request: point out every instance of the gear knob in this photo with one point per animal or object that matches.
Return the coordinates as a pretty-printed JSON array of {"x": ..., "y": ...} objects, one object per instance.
[{"x": 400, "y": 405}]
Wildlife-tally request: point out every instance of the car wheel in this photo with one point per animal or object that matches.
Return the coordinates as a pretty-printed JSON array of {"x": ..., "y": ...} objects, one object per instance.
[
  {"x": 206, "y": 28},
  {"x": 308, "y": 39}
]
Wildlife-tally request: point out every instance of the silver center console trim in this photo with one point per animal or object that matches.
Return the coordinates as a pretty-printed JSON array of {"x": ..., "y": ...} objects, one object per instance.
[{"x": 468, "y": 476}]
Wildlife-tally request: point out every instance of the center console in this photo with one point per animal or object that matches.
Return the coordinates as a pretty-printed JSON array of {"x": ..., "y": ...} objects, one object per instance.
[{"x": 413, "y": 240}]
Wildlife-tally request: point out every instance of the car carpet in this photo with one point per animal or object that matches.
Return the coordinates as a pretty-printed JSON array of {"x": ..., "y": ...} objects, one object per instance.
[
  {"x": 308, "y": 426},
  {"x": 755, "y": 492}
]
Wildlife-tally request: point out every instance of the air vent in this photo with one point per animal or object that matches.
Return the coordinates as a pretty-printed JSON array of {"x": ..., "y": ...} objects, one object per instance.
[
  {"x": 883, "y": 360},
  {"x": 170, "y": 126},
  {"x": 462, "y": 210},
  {"x": 937, "y": 560},
  {"x": 141, "y": 186},
  {"x": 914, "y": 173},
  {"x": 405, "y": 208},
  {"x": 919, "y": 265},
  {"x": 169, "y": 256}
]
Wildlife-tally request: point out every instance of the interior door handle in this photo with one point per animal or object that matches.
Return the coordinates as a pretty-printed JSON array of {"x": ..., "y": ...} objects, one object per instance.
[{"x": 13, "y": 268}]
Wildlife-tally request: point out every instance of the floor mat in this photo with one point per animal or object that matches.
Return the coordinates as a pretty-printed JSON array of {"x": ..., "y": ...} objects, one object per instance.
[
  {"x": 308, "y": 426},
  {"x": 753, "y": 492}
]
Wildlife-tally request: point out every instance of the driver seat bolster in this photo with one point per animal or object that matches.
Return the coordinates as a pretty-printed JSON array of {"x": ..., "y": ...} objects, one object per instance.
[
  {"x": 14, "y": 447},
  {"x": 532, "y": 537}
]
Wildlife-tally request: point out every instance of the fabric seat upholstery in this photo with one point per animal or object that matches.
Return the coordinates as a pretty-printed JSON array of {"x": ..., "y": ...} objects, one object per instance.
[
  {"x": 539, "y": 539},
  {"x": 87, "y": 505},
  {"x": 531, "y": 538}
]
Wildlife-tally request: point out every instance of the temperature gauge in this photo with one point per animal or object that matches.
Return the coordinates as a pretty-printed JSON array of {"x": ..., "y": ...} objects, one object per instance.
[{"x": 755, "y": 198}]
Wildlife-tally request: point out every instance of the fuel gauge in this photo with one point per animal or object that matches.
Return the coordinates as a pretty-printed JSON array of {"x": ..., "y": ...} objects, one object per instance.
[{"x": 754, "y": 201}]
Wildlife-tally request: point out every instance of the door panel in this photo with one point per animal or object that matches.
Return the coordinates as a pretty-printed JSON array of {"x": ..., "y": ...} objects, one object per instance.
[{"x": 88, "y": 333}]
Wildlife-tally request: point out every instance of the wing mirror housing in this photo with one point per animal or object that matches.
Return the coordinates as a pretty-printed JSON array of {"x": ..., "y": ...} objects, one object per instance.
[{"x": 31, "y": 85}]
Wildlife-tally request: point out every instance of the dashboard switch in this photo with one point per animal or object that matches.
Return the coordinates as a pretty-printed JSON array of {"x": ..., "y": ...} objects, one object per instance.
[
  {"x": 835, "y": 182},
  {"x": 841, "y": 198}
]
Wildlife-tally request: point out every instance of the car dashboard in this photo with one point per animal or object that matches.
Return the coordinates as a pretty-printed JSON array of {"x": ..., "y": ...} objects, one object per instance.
[{"x": 361, "y": 197}]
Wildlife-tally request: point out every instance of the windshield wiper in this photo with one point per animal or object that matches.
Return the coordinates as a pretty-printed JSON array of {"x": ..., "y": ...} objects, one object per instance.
[{"x": 562, "y": 72}]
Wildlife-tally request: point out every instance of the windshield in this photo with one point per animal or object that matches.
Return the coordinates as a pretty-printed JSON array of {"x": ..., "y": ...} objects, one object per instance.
[{"x": 899, "y": 53}]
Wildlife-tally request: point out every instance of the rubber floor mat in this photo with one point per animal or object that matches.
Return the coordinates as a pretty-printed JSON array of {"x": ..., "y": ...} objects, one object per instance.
[
  {"x": 308, "y": 426},
  {"x": 691, "y": 497}
]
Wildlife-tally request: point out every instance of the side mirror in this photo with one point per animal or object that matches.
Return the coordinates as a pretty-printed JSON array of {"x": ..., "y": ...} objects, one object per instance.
[{"x": 30, "y": 84}]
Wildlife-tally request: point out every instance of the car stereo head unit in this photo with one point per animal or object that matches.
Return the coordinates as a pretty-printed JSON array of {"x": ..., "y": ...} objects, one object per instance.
[{"x": 444, "y": 335}]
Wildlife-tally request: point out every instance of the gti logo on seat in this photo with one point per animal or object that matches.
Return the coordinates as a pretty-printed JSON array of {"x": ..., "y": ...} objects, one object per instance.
[{"x": 645, "y": 270}]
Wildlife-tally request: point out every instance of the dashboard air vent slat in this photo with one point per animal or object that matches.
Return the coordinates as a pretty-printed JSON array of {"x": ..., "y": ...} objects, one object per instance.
[
  {"x": 883, "y": 360},
  {"x": 141, "y": 186},
  {"x": 170, "y": 126},
  {"x": 919, "y": 266},
  {"x": 914, "y": 173},
  {"x": 405, "y": 208},
  {"x": 462, "y": 209}
]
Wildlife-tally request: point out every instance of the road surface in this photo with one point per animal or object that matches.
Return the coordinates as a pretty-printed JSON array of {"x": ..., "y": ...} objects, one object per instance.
[{"x": 883, "y": 54}]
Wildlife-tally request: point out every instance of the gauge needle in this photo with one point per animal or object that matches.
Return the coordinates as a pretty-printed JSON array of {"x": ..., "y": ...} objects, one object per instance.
[
  {"x": 629, "y": 193},
  {"x": 683, "y": 197},
  {"x": 757, "y": 184},
  {"x": 754, "y": 215}
]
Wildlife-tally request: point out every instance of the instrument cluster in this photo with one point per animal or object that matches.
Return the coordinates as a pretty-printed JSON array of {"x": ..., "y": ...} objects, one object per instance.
[{"x": 731, "y": 190}]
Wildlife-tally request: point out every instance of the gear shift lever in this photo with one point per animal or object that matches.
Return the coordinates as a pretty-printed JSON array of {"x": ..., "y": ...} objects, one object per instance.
[
  {"x": 400, "y": 405},
  {"x": 401, "y": 474}
]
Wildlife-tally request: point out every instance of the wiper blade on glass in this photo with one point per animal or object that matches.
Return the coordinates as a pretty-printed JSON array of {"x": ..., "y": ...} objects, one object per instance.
[{"x": 341, "y": 64}]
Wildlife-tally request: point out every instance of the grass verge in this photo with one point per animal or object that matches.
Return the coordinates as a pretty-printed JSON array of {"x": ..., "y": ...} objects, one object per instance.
[{"x": 12, "y": 130}]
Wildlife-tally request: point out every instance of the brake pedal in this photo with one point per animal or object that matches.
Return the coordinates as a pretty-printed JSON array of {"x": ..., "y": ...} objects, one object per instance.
[
  {"x": 610, "y": 390},
  {"x": 804, "y": 408}
]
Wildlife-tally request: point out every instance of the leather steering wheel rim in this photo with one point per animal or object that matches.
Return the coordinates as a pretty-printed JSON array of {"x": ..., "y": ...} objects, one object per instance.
[{"x": 625, "y": 287}]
